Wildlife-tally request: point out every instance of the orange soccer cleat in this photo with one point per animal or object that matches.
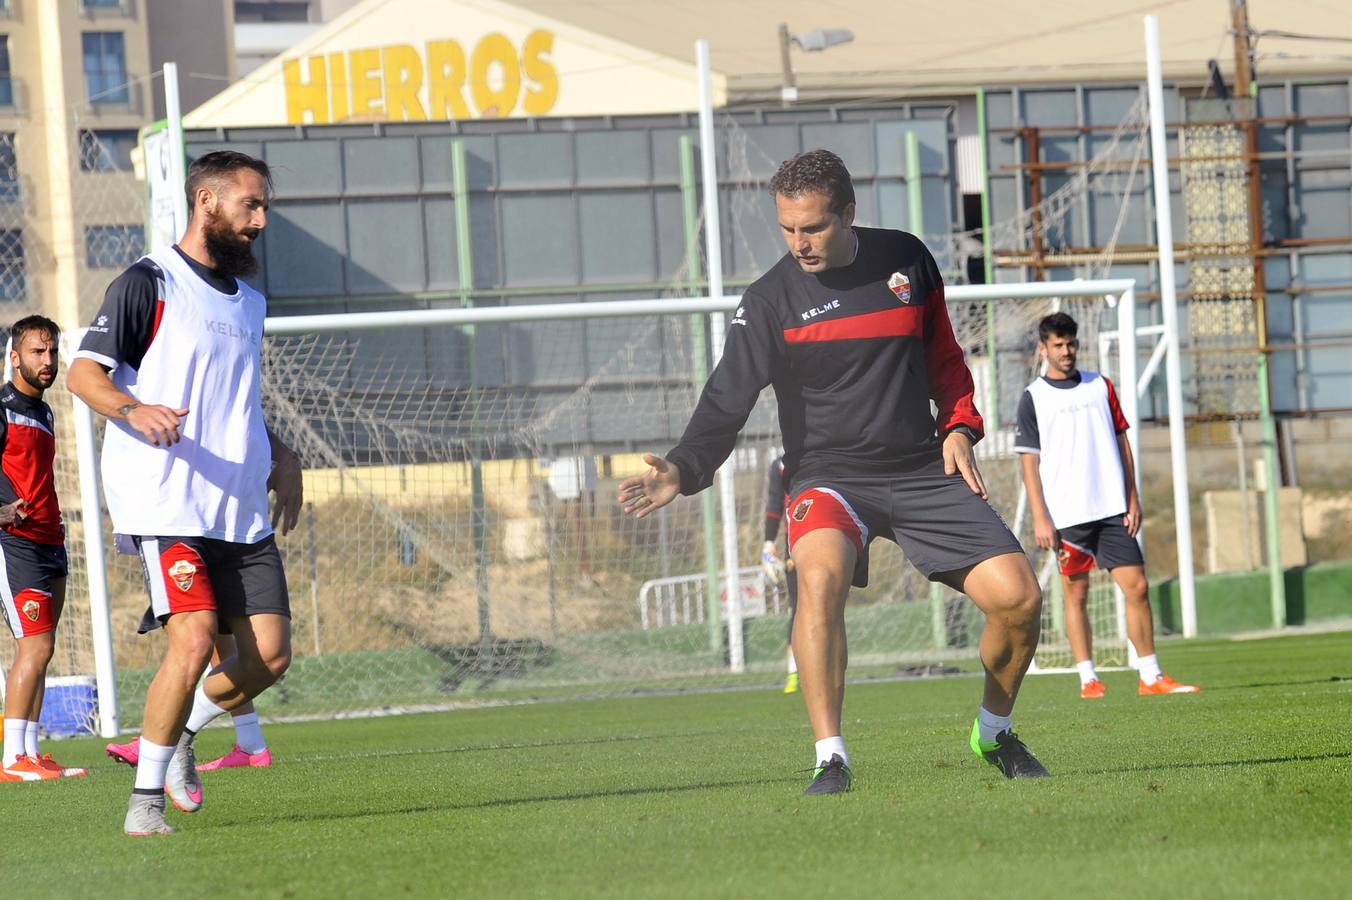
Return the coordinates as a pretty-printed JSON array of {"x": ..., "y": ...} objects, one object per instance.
[
  {"x": 1094, "y": 690},
  {"x": 29, "y": 768},
  {"x": 52, "y": 765},
  {"x": 1166, "y": 685}
]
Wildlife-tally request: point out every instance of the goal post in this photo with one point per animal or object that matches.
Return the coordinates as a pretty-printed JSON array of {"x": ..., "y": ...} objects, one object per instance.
[{"x": 417, "y": 583}]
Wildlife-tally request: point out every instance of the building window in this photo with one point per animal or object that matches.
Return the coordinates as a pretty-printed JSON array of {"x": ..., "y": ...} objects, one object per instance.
[
  {"x": 12, "y": 285},
  {"x": 9, "y": 169},
  {"x": 105, "y": 67},
  {"x": 103, "y": 4},
  {"x": 6, "y": 82},
  {"x": 106, "y": 150},
  {"x": 113, "y": 246},
  {"x": 272, "y": 11}
]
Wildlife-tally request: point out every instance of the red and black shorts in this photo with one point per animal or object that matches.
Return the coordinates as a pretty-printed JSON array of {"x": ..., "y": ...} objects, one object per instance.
[
  {"x": 938, "y": 522},
  {"x": 1105, "y": 542},
  {"x": 189, "y": 574},
  {"x": 30, "y": 571}
]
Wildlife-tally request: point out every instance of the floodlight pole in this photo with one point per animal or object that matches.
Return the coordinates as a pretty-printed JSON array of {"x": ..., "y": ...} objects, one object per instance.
[
  {"x": 1164, "y": 237},
  {"x": 713, "y": 239}
]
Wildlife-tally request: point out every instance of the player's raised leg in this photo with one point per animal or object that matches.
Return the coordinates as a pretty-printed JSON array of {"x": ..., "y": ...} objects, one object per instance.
[
  {"x": 1005, "y": 589},
  {"x": 825, "y": 559}
]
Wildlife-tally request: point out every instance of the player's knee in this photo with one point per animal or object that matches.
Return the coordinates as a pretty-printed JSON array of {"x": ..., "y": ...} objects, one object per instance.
[
  {"x": 37, "y": 649},
  {"x": 277, "y": 663},
  {"x": 821, "y": 588}
]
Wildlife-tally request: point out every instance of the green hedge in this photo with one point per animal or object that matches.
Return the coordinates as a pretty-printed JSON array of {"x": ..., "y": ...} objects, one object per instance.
[{"x": 1240, "y": 601}]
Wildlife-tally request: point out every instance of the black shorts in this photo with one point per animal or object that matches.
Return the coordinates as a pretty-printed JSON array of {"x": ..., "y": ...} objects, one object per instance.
[
  {"x": 26, "y": 582},
  {"x": 187, "y": 574},
  {"x": 1105, "y": 542},
  {"x": 938, "y": 522}
]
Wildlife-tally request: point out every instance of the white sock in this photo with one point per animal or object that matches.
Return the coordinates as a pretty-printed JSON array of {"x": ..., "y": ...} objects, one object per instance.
[
  {"x": 249, "y": 734},
  {"x": 1087, "y": 673},
  {"x": 30, "y": 739},
  {"x": 827, "y": 746},
  {"x": 989, "y": 725},
  {"x": 150, "y": 768},
  {"x": 1149, "y": 667},
  {"x": 203, "y": 710},
  {"x": 15, "y": 735},
  {"x": 793, "y": 663}
]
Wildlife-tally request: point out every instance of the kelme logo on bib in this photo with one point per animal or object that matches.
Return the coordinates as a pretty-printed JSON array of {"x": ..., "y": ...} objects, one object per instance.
[
  {"x": 183, "y": 573},
  {"x": 900, "y": 285}
]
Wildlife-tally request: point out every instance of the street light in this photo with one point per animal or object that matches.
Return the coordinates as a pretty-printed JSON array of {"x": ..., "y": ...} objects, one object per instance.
[{"x": 811, "y": 42}]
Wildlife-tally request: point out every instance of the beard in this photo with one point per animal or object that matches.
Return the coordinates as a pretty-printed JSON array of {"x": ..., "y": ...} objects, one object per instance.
[
  {"x": 35, "y": 379},
  {"x": 231, "y": 253}
]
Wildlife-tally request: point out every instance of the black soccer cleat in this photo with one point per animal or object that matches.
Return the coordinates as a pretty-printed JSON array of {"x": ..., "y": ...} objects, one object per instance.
[
  {"x": 1010, "y": 755},
  {"x": 831, "y": 777}
]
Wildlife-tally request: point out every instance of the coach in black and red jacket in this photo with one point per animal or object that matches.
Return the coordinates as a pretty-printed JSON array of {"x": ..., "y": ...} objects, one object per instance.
[{"x": 851, "y": 328}]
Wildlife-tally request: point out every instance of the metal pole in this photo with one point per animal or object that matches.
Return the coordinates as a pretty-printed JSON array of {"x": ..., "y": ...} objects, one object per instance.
[
  {"x": 314, "y": 574},
  {"x": 987, "y": 259},
  {"x": 1164, "y": 236},
  {"x": 699, "y": 371},
  {"x": 174, "y": 116},
  {"x": 465, "y": 263},
  {"x": 714, "y": 253},
  {"x": 1127, "y": 363},
  {"x": 91, "y": 517},
  {"x": 915, "y": 198}
]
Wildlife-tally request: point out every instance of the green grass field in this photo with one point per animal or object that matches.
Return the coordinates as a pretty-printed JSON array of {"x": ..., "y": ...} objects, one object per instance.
[{"x": 1243, "y": 790}]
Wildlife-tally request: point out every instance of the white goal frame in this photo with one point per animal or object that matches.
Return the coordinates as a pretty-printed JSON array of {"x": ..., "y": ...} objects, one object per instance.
[{"x": 1118, "y": 293}]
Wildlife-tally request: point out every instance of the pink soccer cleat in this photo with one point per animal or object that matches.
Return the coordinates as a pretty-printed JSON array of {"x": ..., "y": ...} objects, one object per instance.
[
  {"x": 238, "y": 758},
  {"x": 129, "y": 753}
]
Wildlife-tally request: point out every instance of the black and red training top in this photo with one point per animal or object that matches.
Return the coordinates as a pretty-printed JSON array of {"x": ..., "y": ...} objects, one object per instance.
[
  {"x": 855, "y": 355},
  {"x": 28, "y": 442}
]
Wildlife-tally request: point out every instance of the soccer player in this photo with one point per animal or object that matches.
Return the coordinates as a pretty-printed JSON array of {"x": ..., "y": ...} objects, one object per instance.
[
  {"x": 173, "y": 360},
  {"x": 250, "y": 749},
  {"x": 32, "y": 545},
  {"x": 1081, "y": 483},
  {"x": 851, "y": 329},
  {"x": 777, "y": 571}
]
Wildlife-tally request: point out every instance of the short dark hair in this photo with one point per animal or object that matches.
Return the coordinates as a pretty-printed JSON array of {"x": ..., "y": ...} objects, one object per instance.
[
  {"x": 211, "y": 167},
  {"x": 815, "y": 172},
  {"x": 1058, "y": 324},
  {"x": 32, "y": 323}
]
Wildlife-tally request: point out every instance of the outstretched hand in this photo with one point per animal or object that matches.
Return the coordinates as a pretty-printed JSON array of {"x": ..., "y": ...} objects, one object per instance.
[
  {"x": 654, "y": 489},
  {"x": 958, "y": 457}
]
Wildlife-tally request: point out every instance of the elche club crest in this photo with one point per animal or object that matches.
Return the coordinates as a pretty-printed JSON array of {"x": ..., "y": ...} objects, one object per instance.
[
  {"x": 900, "y": 285},
  {"x": 800, "y": 511},
  {"x": 32, "y": 609},
  {"x": 183, "y": 573}
]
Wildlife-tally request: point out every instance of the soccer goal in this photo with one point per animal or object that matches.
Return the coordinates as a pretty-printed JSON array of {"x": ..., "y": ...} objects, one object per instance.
[{"x": 461, "y": 543}]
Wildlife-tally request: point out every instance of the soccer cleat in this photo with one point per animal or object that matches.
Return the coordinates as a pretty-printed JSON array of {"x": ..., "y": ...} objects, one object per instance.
[
  {"x": 29, "y": 768},
  {"x": 145, "y": 816},
  {"x": 52, "y": 765},
  {"x": 831, "y": 777},
  {"x": 1008, "y": 754},
  {"x": 129, "y": 753},
  {"x": 1094, "y": 690},
  {"x": 238, "y": 758},
  {"x": 791, "y": 683},
  {"x": 5, "y": 776},
  {"x": 180, "y": 780},
  {"x": 1166, "y": 685}
]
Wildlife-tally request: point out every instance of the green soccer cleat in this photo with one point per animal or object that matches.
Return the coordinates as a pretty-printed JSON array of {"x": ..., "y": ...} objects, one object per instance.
[
  {"x": 1008, "y": 754},
  {"x": 791, "y": 683},
  {"x": 831, "y": 777}
]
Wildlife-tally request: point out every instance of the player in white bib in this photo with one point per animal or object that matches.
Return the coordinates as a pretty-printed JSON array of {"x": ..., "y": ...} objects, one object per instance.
[
  {"x": 173, "y": 359},
  {"x": 1080, "y": 477}
]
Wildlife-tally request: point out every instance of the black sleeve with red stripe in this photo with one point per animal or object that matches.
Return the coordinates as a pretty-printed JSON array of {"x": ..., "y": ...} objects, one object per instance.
[
  {"x": 950, "y": 381},
  {"x": 749, "y": 359},
  {"x": 125, "y": 324},
  {"x": 1120, "y": 423}
]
